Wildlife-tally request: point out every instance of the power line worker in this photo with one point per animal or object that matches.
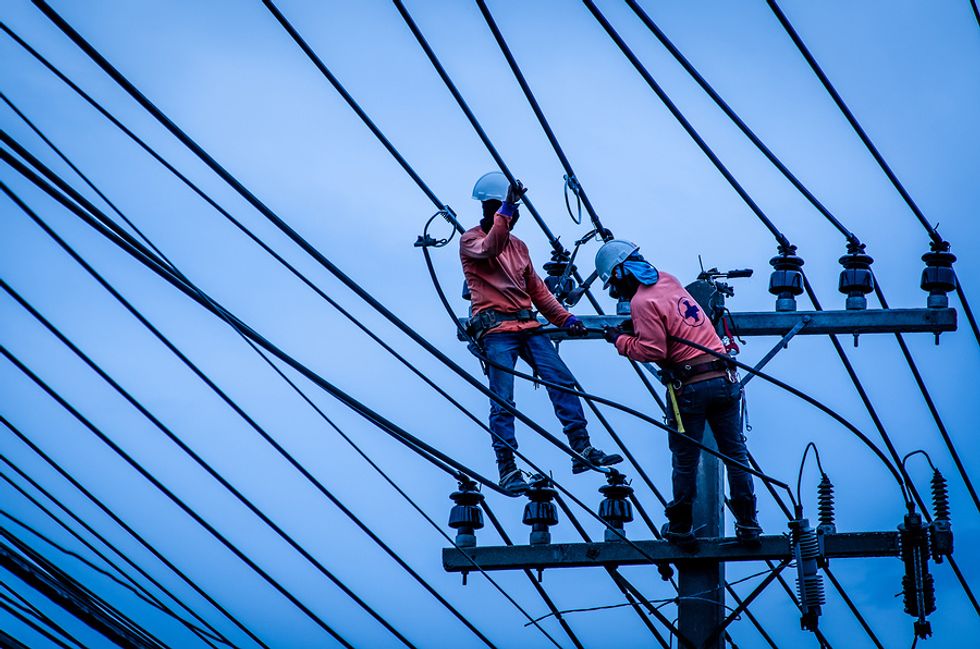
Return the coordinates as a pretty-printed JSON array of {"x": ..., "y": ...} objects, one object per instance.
[
  {"x": 503, "y": 286},
  {"x": 701, "y": 387}
]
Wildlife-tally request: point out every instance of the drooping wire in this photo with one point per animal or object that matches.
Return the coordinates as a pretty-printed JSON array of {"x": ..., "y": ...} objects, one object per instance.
[
  {"x": 24, "y": 605},
  {"x": 782, "y": 241},
  {"x": 542, "y": 120},
  {"x": 820, "y": 207},
  {"x": 872, "y": 149},
  {"x": 122, "y": 524},
  {"x": 84, "y": 604},
  {"x": 197, "y": 459},
  {"x": 173, "y": 497},
  {"x": 6, "y": 605},
  {"x": 307, "y": 247},
  {"x": 279, "y": 449},
  {"x": 202, "y": 634},
  {"x": 385, "y": 425}
]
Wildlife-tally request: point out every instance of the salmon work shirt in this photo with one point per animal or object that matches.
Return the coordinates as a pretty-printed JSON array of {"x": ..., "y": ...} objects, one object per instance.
[
  {"x": 662, "y": 310},
  {"x": 500, "y": 276}
]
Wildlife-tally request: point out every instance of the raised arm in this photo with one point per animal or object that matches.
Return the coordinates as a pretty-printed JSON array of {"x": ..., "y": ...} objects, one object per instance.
[{"x": 491, "y": 245}]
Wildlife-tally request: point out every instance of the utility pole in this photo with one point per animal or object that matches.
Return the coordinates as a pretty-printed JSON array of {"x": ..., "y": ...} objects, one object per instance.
[{"x": 702, "y": 618}]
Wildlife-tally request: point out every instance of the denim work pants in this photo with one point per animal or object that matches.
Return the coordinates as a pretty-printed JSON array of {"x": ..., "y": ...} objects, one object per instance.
[
  {"x": 540, "y": 353},
  {"x": 716, "y": 401}
]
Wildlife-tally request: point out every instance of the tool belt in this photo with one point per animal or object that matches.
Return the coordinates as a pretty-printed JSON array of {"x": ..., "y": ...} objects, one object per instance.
[
  {"x": 684, "y": 372},
  {"x": 488, "y": 319}
]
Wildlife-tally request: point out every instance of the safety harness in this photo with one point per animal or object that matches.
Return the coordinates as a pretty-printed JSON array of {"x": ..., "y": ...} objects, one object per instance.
[{"x": 479, "y": 324}]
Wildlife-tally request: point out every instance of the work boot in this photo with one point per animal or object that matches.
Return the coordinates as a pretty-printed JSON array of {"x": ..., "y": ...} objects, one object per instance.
[
  {"x": 511, "y": 478},
  {"x": 747, "y": 528},
  {"x": 678, "y": 530},
  {"x": 595, "y": 457}
]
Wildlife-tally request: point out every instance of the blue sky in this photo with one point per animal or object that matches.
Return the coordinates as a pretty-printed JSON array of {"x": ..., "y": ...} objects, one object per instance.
[{"x": 230, "y": 77}]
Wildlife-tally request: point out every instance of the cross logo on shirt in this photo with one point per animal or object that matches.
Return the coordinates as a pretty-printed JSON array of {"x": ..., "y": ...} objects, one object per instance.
[{"x": 690, "y": 313}]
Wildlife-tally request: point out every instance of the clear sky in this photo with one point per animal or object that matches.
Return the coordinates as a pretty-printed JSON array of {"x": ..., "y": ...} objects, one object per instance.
[{"x": 229, "y": 75}]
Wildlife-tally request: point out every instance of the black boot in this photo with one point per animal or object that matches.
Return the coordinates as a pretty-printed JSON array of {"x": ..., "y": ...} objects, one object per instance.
[
  {"x": 511, "y": 478},
  {"x": 595, "y": 457},
  {"x": 747, "y": 528},
  {"x": 678, "y": 530}
]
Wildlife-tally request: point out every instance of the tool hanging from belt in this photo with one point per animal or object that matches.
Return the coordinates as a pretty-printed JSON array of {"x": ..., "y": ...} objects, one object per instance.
[
  {"x": 488, "y": 319},
  {"x": 677, "y": 410}
]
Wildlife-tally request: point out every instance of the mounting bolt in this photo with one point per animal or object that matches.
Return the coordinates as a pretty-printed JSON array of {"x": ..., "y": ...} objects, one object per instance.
[
  {"x": 856, "y": 280},
  {"x": 786, "y": 281},
  {"x": 540, "y": 512},
  {"x": 615, "y": 509},
  {"x": 466, "y": 516}
]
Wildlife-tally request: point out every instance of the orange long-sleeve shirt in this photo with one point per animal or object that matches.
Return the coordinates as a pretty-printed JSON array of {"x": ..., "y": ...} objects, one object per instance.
[
  {"x": 662, "y": 310},
  {"x": 498, "y": 271}
]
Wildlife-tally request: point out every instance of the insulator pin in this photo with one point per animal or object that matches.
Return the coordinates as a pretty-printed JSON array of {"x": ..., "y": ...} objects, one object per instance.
[
  {"x": 540, "y": 512},
  {"x": 938, "y": 277},
  {"x": 786, "y": 281},
  {"x": 616, "y": 509},
  {"x": 466, "y": 516},
  {"x": 856, "y": 280}
]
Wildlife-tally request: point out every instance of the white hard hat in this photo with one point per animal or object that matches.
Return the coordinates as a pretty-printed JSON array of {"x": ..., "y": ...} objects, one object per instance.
[
  {"x": 491, "y": 186},
  {"x": 612, "y": 254}
]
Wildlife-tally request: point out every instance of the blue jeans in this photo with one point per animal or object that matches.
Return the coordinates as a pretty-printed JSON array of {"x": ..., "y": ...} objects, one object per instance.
[
  {"x": 717, "y": 402},
  {"x": 540, "y": 353}
]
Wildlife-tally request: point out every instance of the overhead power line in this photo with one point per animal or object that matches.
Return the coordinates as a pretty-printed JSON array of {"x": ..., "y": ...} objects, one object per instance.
[
  {"x": 937, "y": 240},
  {"x": 644, "y": 73},
  {"x": 129, "y": 530},
  {"x": 126, "y": 581},
  {"x": 820, "y": 207}
]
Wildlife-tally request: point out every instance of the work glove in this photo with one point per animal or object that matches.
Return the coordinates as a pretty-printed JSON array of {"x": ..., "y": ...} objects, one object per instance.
[
  {"x": 576, "y": 328},
  {"x": 514, "y": 194},
  {"x": 612, "y": 334}
]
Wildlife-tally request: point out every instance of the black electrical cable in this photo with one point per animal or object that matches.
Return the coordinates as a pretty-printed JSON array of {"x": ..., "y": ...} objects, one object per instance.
[
  {"x": 539, "y": 114},
  {"x": 129, "y": 530},
  {"x": 134, "y": 586},
  {"x": 167, "y": 274},
  {"x": 430, "y": 453},
  {"x": 282, "y": 452},
  {"x": 437, "y": 65},
  {"x": 315, "y": 482},
  {"x": 782, "y": 241},
  {"x": 202, "y": 463},
  {"x": 872, "y": 149},
  {"x": 108, "y": 620},
  {"x": 495, "y": 522},
  {"x": 688, "y": 127},
  {"x": 309, "y": 477},
  {"x": 588, "y": 396},
  {"x": 263, "y": 209},
  {"x": 820, "y": 207},
  {"x": 721, "y": 103},
  {"x": 976, "y": 11},
  {"x": 31, "y": 623},
  {"x": 813, "y": 402},
  {"x": 24, "y": 605},
  {"x": 265, "y": 436},
  {"x": 195, "y": 293},
  {"x": 173, "y": 497}
]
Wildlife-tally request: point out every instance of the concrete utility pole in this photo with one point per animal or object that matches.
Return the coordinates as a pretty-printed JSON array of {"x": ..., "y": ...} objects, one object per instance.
[
  {"x": 700, "y": 584},
  {"x": 702, "y": 616}
]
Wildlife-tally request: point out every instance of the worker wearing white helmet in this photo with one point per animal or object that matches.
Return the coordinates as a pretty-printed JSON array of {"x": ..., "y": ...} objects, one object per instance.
[
  {"x": 704, "y": 387},
  {"x": 503, "y": 288}
]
